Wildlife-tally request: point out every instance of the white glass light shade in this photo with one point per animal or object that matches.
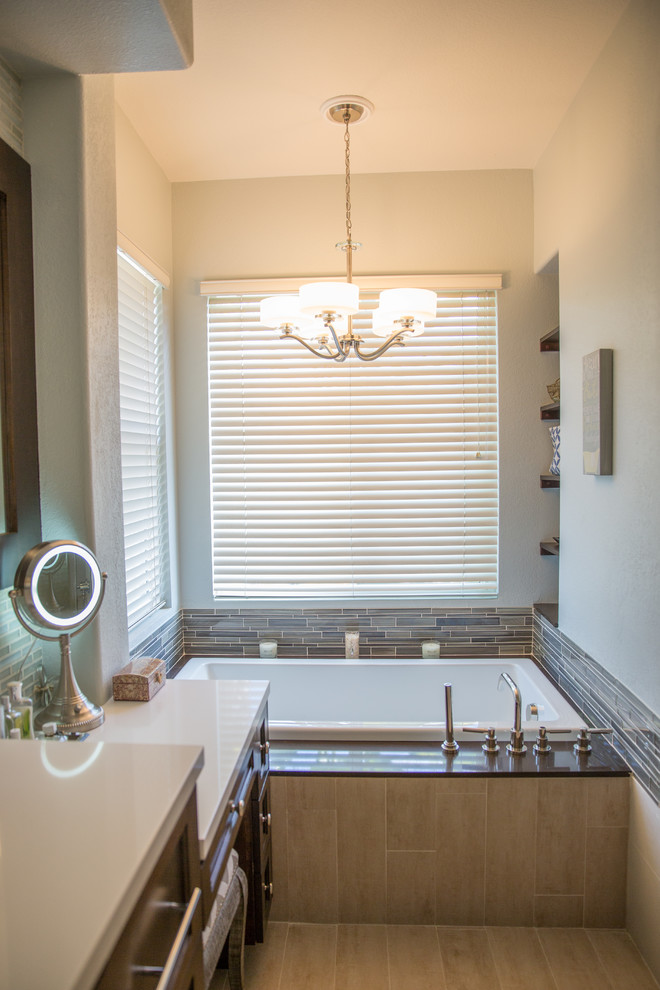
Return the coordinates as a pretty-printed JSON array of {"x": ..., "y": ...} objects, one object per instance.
[
  {"x": 383, "y": 325},
  {"x": 341, "y": 298},
  {"x": 276, "y": 311},
  {"x": 416, "y": 304}
]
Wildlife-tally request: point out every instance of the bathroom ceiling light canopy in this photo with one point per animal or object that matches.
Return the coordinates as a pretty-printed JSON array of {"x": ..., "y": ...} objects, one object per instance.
[{"x": 320, "y": 316}]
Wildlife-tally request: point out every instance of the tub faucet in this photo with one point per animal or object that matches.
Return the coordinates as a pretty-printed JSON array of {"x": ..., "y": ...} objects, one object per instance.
[
  {"x": 352, "y": 644},
  {"x": 517, "y": 744}
]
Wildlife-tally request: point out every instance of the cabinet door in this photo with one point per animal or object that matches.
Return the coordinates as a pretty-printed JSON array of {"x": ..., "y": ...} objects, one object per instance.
[
  {"x": 263, "y": 873},
  {"x": 162, "y": 939}
]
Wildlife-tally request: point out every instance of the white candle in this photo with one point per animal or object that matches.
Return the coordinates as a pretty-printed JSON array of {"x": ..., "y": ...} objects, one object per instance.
[
  {"x": 430, "y": 649},
  {"x": 267, "y": 648}
]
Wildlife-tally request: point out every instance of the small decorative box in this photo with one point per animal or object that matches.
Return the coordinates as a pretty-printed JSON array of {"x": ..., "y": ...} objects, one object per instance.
[{"x": 139, "y": 680}]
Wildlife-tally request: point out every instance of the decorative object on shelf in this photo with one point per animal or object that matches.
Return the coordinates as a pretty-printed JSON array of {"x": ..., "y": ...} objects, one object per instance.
[
  {"x": 597, "y": 412},
  {"x": 320, "y": 316},
  {"x": 554, "y": 436},
  {"x": 550, "y": 340},
  {"x": 59, "y": 586},
  {"x": 553, "y": 391}
]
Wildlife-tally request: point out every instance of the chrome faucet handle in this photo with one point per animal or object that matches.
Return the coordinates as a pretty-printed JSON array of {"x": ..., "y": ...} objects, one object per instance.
[
  {"x": 490, "y": 744},
  {"x": 449, "y": 745},
  {"x": 584, "y": 735},
  {"x": 542, "y": 746}
]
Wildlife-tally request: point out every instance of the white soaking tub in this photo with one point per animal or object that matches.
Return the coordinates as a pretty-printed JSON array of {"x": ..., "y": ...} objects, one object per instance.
[{"x": 393, "y": 699}]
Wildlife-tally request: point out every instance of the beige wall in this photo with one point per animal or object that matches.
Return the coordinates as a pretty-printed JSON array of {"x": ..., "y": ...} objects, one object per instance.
[
  {"x": 643, "y": 913},
  {"x": 144, "y": 195},
  {"x": 144, "y": 223},
  {"x": 408, "y": 223}
]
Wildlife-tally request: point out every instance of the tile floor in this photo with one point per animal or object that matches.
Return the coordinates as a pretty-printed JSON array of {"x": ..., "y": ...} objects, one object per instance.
[{"x": 407, "y": 957}]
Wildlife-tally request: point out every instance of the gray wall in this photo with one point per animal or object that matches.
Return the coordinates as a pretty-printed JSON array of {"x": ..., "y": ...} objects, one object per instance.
[
  {"x": 597, "y": 203},
  {"x": 69, "y": 142}
]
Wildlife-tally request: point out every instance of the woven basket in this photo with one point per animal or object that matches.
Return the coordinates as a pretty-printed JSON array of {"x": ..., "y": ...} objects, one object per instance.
[{"x": 553, "y": 391}]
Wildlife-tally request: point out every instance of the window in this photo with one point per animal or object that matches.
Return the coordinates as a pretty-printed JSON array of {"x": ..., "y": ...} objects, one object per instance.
[
  {"x": 143, "y": 454},
  {"x": 355, "y": 480}
]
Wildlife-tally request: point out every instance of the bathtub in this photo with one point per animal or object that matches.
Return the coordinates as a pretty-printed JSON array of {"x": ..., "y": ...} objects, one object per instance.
[{"x": 393, "y": 699}]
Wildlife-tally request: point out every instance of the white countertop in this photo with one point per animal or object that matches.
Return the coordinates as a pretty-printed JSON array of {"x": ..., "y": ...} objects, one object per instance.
[
  {"x": 221, "y": 716},
  {"x": 82, "y": 825}
]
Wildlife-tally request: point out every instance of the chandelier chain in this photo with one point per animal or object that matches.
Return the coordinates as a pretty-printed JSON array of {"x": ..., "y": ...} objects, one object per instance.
[{"x": 349, "y": 223}]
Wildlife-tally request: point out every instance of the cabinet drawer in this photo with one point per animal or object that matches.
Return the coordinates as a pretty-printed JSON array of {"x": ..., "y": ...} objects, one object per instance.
[{"x": 162, "y": 939}]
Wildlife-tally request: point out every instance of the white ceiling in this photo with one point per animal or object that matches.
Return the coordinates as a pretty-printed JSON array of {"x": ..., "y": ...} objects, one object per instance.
[{"x": 457, "y": 84}]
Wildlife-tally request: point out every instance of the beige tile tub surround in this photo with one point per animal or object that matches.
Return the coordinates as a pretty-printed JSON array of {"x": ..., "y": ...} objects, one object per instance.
[{"x": 465, "y": 851}]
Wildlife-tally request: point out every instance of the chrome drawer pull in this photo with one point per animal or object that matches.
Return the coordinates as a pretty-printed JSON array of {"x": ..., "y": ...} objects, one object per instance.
[
  {"x": 237, "y": 807},
  {"x": 266, "y": 821},
  {"x": 178, "y": 944},
  {"x": 268, "y": 891},
  {"x": 265, "y": 748}
]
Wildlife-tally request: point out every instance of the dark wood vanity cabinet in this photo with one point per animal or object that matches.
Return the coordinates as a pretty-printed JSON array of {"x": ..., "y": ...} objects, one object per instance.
[
  {"x": 261, "y": 828},
  {"x": 253, "y": 845},
  {"x": 245, "y": 825},
  {"x": 164, "y": 932}
]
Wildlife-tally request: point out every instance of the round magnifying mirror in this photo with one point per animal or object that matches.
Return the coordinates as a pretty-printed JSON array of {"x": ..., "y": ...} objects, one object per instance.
[
  {"x": 61, "y": 584},
  {"x": 59, "y": 588}
]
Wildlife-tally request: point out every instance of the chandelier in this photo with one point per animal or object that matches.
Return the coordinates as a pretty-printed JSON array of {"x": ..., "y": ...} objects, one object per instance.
[{"x": 320, "y": 316}]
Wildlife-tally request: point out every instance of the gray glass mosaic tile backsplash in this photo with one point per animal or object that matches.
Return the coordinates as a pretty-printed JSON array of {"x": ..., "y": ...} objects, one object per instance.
[
  {"x": 15, "y": 643},
  {"x": 603, "y": 701},
  {"x": 398, "y": 632},
  {"x": 166, "y": 644}
]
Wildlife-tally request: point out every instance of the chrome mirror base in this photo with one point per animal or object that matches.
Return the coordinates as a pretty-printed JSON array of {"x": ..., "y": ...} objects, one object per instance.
[{"x": 70, "y": 709}]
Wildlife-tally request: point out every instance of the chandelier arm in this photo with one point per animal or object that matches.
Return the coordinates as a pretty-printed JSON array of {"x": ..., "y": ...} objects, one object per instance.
[
  {"x": 396, "y": 338},
  {"x": 330, "y": 356},
  {"x": 342, "y": 350}
]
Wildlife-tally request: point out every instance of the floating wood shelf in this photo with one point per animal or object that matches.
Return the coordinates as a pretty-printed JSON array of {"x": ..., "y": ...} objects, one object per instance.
[
  {"x": 550, "y": 412},
  {"x": 549, "y": 548},
  {"x": 549, "y": 481},
  {"x": 550, "y": 341}
]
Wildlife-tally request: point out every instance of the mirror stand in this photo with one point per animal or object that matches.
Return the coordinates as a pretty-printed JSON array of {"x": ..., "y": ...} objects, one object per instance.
[
  {"x": 59, "y": 586},
  {"x": 72, "y": 711}
]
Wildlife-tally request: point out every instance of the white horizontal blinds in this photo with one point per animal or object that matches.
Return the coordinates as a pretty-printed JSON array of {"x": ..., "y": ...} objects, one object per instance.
[
  {"x": 354, "y": 480},
  {"x": 142, "y": 405}
]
